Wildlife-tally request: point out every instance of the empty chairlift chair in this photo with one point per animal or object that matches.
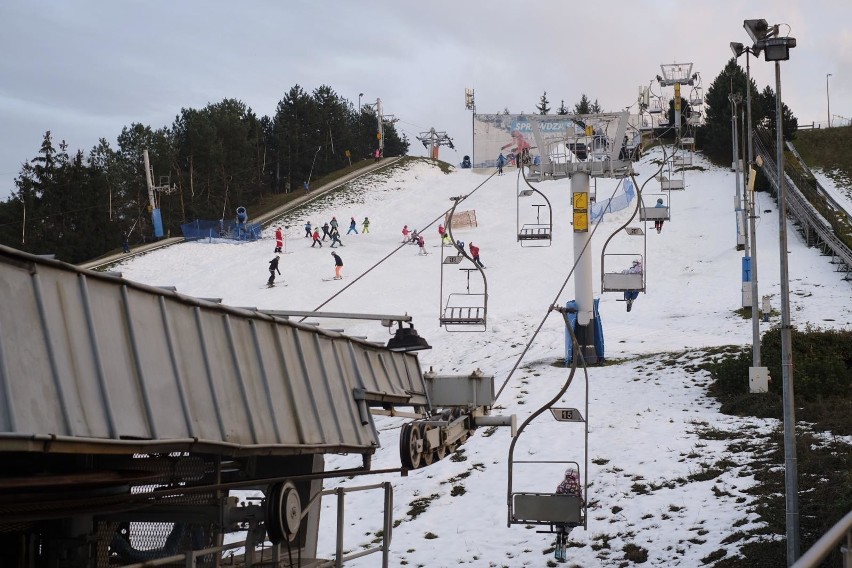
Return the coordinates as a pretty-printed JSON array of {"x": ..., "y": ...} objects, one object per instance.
[{"x": 538, "y": 233}]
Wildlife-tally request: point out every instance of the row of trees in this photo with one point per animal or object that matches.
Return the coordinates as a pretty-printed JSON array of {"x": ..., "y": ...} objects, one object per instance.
[{"x": 215, "y": 159}]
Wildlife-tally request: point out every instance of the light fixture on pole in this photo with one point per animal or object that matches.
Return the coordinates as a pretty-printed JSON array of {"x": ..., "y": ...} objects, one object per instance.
[
  {"x": 758, "y": 375},
  {"x": 777, "y": 49},
  {"x": 828, "y": 99}
]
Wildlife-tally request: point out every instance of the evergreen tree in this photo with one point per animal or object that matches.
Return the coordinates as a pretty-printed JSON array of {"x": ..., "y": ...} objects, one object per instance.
[
  {"x": 595, "y": 108},
  {"x": 543, "y": 105},
  {"x": 562, "y": 109},
  {"x": 789, "y": 123},
  {"x": 583, "y": 107}
]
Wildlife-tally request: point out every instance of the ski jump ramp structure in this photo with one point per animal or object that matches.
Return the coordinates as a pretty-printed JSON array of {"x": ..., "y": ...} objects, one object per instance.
[{"x": 128, "y": 411}]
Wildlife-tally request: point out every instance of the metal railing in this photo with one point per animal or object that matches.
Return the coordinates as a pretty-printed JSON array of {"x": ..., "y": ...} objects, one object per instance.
[{"x": 825, "y": 545}]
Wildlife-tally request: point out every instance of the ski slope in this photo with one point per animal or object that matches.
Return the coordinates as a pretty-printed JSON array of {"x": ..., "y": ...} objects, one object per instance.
[{"x": 647, "y": 412}]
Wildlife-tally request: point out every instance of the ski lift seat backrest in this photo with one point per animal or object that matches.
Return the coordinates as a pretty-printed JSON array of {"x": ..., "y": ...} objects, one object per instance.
[{"x": 547, "y": 508}]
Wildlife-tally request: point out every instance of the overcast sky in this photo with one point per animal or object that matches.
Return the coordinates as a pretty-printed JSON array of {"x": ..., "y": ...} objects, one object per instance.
[{"x": 85, "y": 69}]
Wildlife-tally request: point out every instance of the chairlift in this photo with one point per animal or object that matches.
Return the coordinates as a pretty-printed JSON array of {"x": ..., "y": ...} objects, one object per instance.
[
  {"x": 538, "y": 233},
  {"x": 463, "y": 311},
  {"x": 696, "y": 97},
  {"x": 655, "y": 212},
  {"x": 558, "y": 512},
  {"x": 617, "y": 274},
  {"x": 673, "y": 178}
]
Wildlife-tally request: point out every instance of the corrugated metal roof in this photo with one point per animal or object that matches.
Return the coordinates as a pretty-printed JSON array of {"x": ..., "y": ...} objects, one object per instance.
[{"x": 91, "y": 360}]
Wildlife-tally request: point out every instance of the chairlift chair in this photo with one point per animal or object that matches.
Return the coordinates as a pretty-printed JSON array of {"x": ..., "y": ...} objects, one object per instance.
[
  {"x": 548, "y": 508},
  {"x": 615, "y": 280},
  {"x": 538, "y": 233},
  {"x": 463, "y": 311},
  {"x": 652, "y": 212}
]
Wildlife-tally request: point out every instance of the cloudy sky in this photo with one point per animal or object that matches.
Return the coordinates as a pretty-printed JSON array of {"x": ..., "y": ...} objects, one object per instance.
[{"x": 85, "y": 69}]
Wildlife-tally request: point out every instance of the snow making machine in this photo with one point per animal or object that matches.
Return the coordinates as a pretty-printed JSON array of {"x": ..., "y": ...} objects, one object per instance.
[{"x": 132, "y": 415}]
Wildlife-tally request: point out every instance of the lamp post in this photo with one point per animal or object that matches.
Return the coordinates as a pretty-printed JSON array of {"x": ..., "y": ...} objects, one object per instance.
[
  {"x": 777, "y": 49},
  {"x": 828, "y": 99},
  {"x": 736, "y": 99},
  {"x": 738, "y": 50},
  {"x": 359, "y": 117}
]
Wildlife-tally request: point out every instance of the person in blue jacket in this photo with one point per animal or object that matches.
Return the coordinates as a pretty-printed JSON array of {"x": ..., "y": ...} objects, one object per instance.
[{"x": 501, "y": 161}]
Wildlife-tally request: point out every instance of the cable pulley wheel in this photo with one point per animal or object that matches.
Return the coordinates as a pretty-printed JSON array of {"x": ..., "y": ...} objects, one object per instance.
[
  {"x": 283, "y": 512},
  {"x": 410, "y": 446}
]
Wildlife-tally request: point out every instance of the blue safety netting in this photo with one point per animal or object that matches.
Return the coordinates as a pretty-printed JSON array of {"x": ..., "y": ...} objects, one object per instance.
[
  {"x": 618, "y": 202},
  {"x": 228, "y": 230}
]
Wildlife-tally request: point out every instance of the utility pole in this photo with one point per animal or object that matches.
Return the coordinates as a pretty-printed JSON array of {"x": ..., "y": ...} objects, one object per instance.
[
  {"x": 828, "y": 99},
  {"x": 470, "y": 104},
  {"x": 153, "y": 205},
  {"x": 381, "y": 120}
]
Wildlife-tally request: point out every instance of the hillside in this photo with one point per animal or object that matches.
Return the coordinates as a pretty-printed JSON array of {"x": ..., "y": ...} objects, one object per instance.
[
  {"x": 829, "y": 150},
  {"x": 672, "y": 481}
]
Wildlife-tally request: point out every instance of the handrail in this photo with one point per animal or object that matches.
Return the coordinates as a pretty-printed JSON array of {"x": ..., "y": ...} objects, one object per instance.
[{"x": 824, "y": 546}]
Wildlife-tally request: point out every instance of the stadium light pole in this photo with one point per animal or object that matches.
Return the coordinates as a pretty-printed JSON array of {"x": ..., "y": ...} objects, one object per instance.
[
  {"x": 751, "y": 212},
  {"x": 827, "y": 99},
  {"x": 777, "y": 49}
]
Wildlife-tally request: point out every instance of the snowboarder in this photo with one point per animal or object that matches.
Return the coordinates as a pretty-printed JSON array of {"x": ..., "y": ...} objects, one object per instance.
[
  {"x": 352, "y": 225},
  {"x": 279, "y": 239},
  {"x": 405, "y": 234},
  {"x": 658, "y": 223},
  {"x": 273, "y": 268},
  {"x": 474, "y": 252},
  {"x": 308, "y": 229},
  {"x": 501, "y": 161},
  {"x": 316, "y": 238},
  {"x": 631, "y": 295},
  {"x": 325, "y": 232},
  {"x": 338, "y": 266},
  {"x": 422, "y": 244},
  {"x": 335, "y": 237},
  {"x": 365, "y": 225},
  {"x": 568, "y": 486}
]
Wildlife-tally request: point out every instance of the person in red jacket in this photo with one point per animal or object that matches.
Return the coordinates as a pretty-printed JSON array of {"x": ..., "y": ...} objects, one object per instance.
[
  {"x": 474, "y": 252},
  {"x": 316, "y": 238},
  {"x": 279, "y": 239}
]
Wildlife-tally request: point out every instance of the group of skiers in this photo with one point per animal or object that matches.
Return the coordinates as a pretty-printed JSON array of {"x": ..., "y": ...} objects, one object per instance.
[{"x": 412, "y": 236}]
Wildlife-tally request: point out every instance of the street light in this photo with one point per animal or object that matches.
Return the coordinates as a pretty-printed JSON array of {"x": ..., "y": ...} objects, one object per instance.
[
  {"x": 827, "y": 99},
  {"x": 777, "y": 49},
  {"x": 738, "y": 50}
]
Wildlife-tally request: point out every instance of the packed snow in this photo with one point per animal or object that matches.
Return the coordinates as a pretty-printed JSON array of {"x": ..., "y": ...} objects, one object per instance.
[{"x": 646, "y": 411}]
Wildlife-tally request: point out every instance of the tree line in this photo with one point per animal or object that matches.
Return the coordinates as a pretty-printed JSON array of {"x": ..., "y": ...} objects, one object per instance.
[{"x": 78, "y": 206}]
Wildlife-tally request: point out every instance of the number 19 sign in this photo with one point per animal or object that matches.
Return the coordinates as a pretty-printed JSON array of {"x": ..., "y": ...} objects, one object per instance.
[{"x": 567, "y": 414}]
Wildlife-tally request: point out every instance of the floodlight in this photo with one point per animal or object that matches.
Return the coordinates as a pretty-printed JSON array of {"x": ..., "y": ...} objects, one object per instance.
[
  {"x": 757, "y": 29},
  {"x": 778, "y": 48},
  {"x": 737, "y": 48},
  {"x": 407, "y": 339}
]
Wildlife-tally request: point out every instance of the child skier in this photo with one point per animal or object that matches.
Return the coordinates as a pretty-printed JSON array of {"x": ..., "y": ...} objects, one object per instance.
[
  {"x": 338, "y": 266},
  {"x": 316, "y": 238},
  {"x": 422, "y": 244},
  {"x": 279, "y": 239},
  {"x": 335, "y": 237},
  {"x": 365, "y": 225},
  {"x": 352, "y": 225},
  {"x": 405, "y": 233},
  {"x": 474, "y": 252},
  {"x": 273, "y": 268},
  {"x": 325, "y": 232},
  {"x": 568, "y": 486},
  {"x": 308, "y": 229}
]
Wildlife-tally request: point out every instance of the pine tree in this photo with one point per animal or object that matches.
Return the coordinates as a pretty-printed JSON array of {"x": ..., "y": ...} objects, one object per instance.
[
  {"x": 542, "y": 106},
  {"x": 583, "y": 107},
  {"x": 562, "y": 109}
]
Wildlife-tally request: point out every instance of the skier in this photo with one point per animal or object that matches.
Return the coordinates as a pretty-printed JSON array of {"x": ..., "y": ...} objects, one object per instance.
[
  {"x": 631, "y": 295},
  {"x": 378, "y": 154},
  {"x": 279, "y": 239},
  {"x": 474, "y": 252},
  {"x": 125, "y": 243},
  {"x": 335, "y": 237},
  {"x": 658, "y": 223},
  {"x": 333, "y": 222},
  {"x": 414, "y": 235},
  {"x": 316, "y": 238},
  {"x": 365, "y": 225},
  {"x": 445, "y": 236},
  {"x": 460, "y": 245},
  {"x": 422, "y": 244},
  {"x": 501, "y": 161},
  {"x": 338, "y": 266},
  {"x": 569, "y": 486},
  {"x": 273, "y": 268},
  {"x": 307, "y": 187},
  {"x": 405, "y": 233},
  {"x": 352, "y": 225},
  {"x": 308, "y": 229},
  {"x": 325, "y": 232}
]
